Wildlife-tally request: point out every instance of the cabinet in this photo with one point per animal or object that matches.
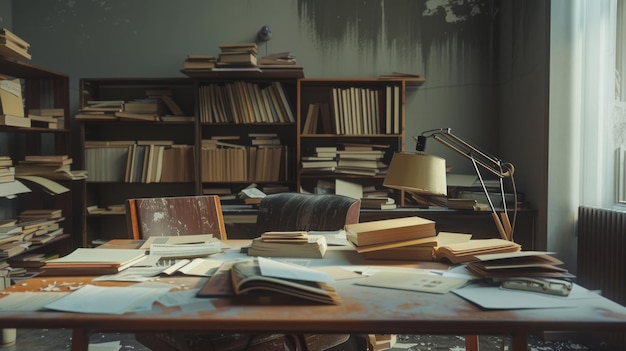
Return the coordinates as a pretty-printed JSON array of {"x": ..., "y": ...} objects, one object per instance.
[
  {"x": 342, "y": 114},
  {"x": 108, "y": 142},
  {"x": 42, "y": 89}
]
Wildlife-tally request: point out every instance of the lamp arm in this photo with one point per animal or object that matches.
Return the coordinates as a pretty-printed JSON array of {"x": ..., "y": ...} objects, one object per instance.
[
  {"x": 478, "y": 157},
  {"x": 453, "y": 142}
]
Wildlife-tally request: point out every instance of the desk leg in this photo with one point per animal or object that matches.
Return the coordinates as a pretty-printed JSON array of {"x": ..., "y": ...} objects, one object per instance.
[
  {"x": 519, "y": 342},
  {"x": 471, "y": 343},
  {"x": 80, "y": 340}
]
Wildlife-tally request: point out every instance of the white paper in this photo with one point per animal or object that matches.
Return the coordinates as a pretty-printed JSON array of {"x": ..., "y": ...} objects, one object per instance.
[
  {"x": 109, "y": 300},
  {"x": 106, "y": 346},
  {"x": 28, "y": 301},
  {"x": 272, "y": 268},
  {"x": 493, "y": 297},
  {"x": 413, "y": 282}
]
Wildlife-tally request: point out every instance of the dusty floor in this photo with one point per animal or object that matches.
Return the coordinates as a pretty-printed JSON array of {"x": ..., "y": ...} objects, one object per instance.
[{"x": 48, "y": 339}]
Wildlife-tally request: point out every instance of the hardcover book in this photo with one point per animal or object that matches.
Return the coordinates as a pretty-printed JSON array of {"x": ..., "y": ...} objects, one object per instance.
[{"x": 390, "y": 230}]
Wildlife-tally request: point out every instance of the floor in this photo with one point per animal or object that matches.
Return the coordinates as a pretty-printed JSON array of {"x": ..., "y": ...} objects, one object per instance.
[{"x": 59, "y": 340}]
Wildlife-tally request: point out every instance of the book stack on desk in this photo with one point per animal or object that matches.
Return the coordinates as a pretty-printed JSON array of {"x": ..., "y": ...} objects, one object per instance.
[
  {"x": 289, "y": 244},
  {"x": 86, "y": 261},
  {"x": 392, "y": 233}
]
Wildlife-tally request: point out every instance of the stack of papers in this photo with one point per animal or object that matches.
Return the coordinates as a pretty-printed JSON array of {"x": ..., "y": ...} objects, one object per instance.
[{"x": 87, "y": 261}]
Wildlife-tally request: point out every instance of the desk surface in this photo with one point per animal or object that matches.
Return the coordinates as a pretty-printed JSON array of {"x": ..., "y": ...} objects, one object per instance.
[{"x": 364, "y": 310}]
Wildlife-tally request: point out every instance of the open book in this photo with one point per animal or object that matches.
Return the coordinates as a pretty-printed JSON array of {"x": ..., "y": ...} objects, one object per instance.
[{"x": 266, "y": 277}]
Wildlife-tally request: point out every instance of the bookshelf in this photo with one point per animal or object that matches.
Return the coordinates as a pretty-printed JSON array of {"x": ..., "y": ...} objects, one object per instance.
[
  {"x": 133, "y": 157},
  {"x": 42, "y": 91},
  {"x": 247, "y": 131},
  {"x": 337, "y": 115},
  {"x": 226, "y": 127}
]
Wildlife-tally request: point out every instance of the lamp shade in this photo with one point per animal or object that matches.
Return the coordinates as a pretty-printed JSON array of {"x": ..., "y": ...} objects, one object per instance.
[{"x": 417, "y": 173}]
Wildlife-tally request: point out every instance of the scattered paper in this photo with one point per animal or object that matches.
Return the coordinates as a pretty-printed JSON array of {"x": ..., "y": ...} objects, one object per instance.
[
  {"x": 28, "y": 301},
  {"x": 109, "y": 300},
  {"x": 272, "y": 268},
  {"x": 412, "y": 281}
]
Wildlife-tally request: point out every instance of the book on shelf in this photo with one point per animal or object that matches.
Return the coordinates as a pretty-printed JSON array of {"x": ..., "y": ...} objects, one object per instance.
[
  {"x": 311, "y": 119},
  {"x": 48, "y": 112},
  {"x": 270, "y": 278},
  {"x": 313, "y": 246},
  {"x": 14, "y": 121},
  {"x": 137, "y": 116},
  {"x": 378, "y": 202},
  {"x": 390, "y": 230},
  {"x": 11, "y": 103},
  {"x": 88, "y": 261}
]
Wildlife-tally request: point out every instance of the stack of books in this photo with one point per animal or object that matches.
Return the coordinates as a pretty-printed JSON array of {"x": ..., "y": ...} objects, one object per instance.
[
  {"x": 40, "y": 225},
  {"x": 86, "y": 261},
  {"x": 237, "y": 55},
  {"x": 48, "y": 166},
  {"x": 278, "y": 60},
  {"x": 324, "y": 160},
  {"x": 12, "y": 45},
  {"x": 289, "y": 244},
  {"x": 361, "y": 159},
  {"x": 391, "y": 233},
  {"x": 142, "y": 110},
  {"x": 199, "y": 62},
  {"x": 100, "y": 110},
  {"x": 7, "y": 171},
  {"x": 51, "y": 118}
]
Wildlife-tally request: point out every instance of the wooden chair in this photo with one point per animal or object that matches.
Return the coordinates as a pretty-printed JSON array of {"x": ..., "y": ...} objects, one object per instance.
[
  {"x": 279, "y": 212},
  {"x": 181, "y": 215}
]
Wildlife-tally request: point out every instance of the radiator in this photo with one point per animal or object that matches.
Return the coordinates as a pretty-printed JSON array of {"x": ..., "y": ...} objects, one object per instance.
[{"x": 602, "y": 255}]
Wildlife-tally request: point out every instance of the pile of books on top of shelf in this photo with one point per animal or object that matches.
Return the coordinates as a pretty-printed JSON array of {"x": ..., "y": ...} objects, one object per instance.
[
  {"x": 237, "y": 55},
  {"x": 12, "y": 45}
]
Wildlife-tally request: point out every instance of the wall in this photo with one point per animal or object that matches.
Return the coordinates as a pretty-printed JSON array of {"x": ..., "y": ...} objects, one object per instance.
[{"x": 473, "y": 54}]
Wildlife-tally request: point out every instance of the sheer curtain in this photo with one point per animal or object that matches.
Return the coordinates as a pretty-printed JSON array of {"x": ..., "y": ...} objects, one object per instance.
[{"x": 582, "y": 115}]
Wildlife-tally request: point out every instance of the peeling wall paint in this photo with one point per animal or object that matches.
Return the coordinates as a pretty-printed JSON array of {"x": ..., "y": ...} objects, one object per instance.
[{"x": 414, "y": 32}]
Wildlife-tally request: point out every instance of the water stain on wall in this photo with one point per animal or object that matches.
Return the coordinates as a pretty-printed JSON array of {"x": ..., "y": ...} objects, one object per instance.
[{"x": 405, "y": 28}]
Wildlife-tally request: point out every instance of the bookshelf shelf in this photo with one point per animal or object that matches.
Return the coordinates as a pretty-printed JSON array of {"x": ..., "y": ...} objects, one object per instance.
[
  {"x": 41, "y": 88},
  {"x": 187, "y": 93},
  {"x": 354, "y": 113},
  {"x": 114, "y": 150}
]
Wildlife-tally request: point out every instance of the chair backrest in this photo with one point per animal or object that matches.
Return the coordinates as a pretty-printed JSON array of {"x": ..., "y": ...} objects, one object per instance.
[
  {"x": 181, "y": 215},
  {"x": 297, "y": 211}
]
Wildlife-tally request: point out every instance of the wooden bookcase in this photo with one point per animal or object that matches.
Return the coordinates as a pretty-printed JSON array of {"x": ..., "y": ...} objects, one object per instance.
[
  {"x": 42, "y": 88},
  {"x": 192, "y": 95},
  {"x": 240, "y": 107},
  {"x": 108, "y": 191},
  {"x": 352, "y": 111}
]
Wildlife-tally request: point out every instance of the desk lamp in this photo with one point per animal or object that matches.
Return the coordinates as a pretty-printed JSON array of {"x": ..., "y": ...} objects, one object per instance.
[{"x": 423, "y": 174}]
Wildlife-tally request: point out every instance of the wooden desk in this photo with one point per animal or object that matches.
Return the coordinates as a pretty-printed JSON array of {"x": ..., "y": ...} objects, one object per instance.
[{"x": 364, "y": 310}]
